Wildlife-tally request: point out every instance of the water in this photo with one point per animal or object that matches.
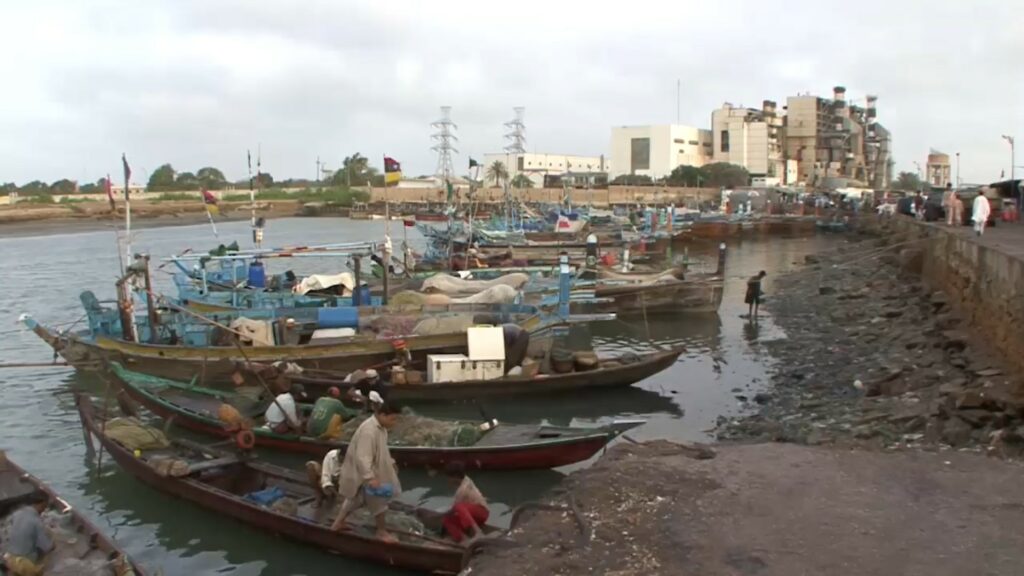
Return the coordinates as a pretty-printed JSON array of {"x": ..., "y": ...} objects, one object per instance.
[{"x": 43, "y": 276}]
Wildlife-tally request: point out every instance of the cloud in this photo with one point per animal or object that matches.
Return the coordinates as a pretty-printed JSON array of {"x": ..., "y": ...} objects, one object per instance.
[{"x": 198, "y": 83}]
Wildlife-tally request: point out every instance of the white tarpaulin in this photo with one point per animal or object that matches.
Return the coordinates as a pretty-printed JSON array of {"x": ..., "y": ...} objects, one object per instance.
[
  {"x": 446, "y": 284},
  {"x": 499, "y": 294},
  {"x": 325, "y": 281},
  {"x": 256, "y": 332}
]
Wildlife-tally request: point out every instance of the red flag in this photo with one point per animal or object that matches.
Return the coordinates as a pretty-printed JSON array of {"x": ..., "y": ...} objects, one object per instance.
[
  {"x": 409, "y": 223},
  {"x": 127, "y": 175},
  {"x": 110, "y": 193}
]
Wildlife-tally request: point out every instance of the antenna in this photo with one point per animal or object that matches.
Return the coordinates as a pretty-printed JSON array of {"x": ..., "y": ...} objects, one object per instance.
[
  {"x": 444, "y": 137},
  {"x": 517, "y": 136}
]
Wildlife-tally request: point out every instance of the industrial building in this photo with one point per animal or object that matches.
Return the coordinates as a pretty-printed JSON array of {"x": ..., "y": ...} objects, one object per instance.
[
  {"x": 752, "y": 138},
  {"x": 938, "y": 170},
  {"x": 656, "y": 151},
  {"x": 550, "y": 170},
  {"x": 835, "y": 143}
]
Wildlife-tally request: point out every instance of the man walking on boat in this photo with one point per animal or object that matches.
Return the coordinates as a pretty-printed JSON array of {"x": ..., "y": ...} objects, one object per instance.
[{"x": 368, "y": 475}]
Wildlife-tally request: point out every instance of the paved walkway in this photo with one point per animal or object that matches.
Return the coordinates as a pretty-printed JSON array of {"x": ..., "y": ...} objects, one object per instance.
[{"x": 1007, "y": 237}]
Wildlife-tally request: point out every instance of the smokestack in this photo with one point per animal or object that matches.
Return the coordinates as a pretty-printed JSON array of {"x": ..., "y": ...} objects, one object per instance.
[{"x": 839, "y": 93}]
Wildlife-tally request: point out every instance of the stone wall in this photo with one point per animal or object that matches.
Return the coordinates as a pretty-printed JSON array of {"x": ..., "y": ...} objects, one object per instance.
[{"x": 984, "y": 283}]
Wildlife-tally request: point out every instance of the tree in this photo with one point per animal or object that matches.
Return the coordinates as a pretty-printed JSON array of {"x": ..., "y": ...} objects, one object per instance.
[
  {"x": 7, "y": 188},
  {"x": 63, "y": 186},
  {"x": 497, "y": 172},
  {"x": 907, "y": 181},
  {"x": 264, "y": 180},
  {"x": 632, "y": 180},
  {"x": 34, "y": 188},
  {"x": 161, "y": 179},
  {"x": 211, "y": 178},
  {"x": 690, "y": 176},
  {"x": 355, "y": 171},
  {"x": 186, "y": 181},
  {"x": 522, "y": 181},
  {"x": 724, "y": 174},
  {"x": 89, "y": 188}
]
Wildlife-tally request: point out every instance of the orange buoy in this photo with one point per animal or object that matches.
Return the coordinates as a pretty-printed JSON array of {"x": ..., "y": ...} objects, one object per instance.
[{"x": 245, "y": 439}]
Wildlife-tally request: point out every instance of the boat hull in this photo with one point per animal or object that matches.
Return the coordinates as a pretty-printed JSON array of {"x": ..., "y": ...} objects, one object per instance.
[{"x": 435, "y": 559}]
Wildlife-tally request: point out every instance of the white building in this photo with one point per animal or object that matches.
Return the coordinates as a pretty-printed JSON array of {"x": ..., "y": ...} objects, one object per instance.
[
  {"x": 750, "y": 138},
  {"x": 656, "y": 151},
  {"x": 545, "y": 169}
]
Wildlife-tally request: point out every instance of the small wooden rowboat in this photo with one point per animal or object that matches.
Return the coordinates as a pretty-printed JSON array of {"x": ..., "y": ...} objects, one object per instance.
[
  {"x": 613, "y": 373},
  {"x": 79, "y": 540},
  {"x": 507, "y": 447},
  {"x": 220, "y": 481}
]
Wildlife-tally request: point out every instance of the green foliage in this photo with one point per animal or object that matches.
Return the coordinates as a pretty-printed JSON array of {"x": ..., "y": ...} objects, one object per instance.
[
  {"x": 355, "y": 171},
  {"x": 186, "y": 181},
  {"x": 70, "y": 200},
  {"x": 496, "y": 172},
  {"x": 907, "y": 181},
  {"x": 211, "y": 178},
  {"x": 264, "y": 180},
  {"x": 161, "y": 179},
  {"x": 36, "y": 199},
  {"x": 7, "y": 188},
  {"x": 724, "y": 174},
  {"x": 632, "y": 180},
  {"x": 689, "y": 176},
  {"x": 34, "y": 188},
  {"x": 63, "y": 186},
  {"x": 90, "y": 188},
  {"x": 522, "y": 181}
]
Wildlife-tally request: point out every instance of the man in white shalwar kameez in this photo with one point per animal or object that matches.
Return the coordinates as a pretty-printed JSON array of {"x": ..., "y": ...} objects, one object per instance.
[{"x": 980, "y": 213}]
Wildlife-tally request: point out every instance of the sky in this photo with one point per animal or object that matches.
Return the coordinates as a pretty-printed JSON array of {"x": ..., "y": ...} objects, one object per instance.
[{"x": 198, "y": 82}]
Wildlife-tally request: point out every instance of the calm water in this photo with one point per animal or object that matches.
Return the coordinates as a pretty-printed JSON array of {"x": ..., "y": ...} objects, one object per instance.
[{"x": 43, "y": 276}]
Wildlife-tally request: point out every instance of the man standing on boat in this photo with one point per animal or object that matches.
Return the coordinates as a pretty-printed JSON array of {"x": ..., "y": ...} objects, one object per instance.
[{"x": 368, "y": 475}]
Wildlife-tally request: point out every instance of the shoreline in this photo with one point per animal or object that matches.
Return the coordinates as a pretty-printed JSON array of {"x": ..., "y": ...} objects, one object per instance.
[{"x": 50, "y": 221}]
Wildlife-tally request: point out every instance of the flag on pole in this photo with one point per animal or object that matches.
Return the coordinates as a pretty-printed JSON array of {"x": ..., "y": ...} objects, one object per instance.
[
  {"x": 451, "y": 190},
  {"x": 408, "y": 223},
  {"x": 392, "y": 171},
  {"x": 110, "y": 193},
  {"x": 211, "y": 202},
  {"x": 473, "y": 163},
  {"x": 127, "y": 175}
]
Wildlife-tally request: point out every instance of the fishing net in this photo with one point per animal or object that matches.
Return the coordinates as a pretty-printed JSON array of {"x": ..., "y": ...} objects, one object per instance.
[
  {"x": 73, "y": 555},
  {"x": 414, "y": 430},
  {"x": 134, "y": 435},
  {"x": 399, "y": 521}
]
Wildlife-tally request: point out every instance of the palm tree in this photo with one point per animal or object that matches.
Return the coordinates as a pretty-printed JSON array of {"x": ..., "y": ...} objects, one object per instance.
[
  {"x": 355, "y": 171},
  {"x": 522, "y": 181},
  {"x": 497, "y": 172}
]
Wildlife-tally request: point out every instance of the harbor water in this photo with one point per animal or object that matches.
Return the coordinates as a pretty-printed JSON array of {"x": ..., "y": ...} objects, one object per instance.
[{"x": 43, "y": 276}]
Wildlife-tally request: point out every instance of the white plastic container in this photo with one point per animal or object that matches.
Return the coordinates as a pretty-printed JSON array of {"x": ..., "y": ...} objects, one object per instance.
[
  {"x": 486, "y": 342},
  {"x": 448, "y": 368}
]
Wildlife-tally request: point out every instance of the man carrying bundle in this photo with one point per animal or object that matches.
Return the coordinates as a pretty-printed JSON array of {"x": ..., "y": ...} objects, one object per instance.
[{"x": 368, "y": 476}]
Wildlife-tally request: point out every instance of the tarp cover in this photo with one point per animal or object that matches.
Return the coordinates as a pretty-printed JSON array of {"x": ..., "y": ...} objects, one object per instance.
[
  {"x": 668, "y": 276},
  {"x": 500, "y": 294},
  {"x": 451, "y": 285},
  {"x": 256, "y": 332},
  {"x": 325, "y": 281}
]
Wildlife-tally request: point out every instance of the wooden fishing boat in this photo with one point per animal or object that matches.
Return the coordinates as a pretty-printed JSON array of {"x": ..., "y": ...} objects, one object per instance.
[
  {"x": 694, "y": 295},
  {"x": 613, "y": 373},
  {"x": 86, "y": 543},
  {"x": 507, "y": 447},
  {"x": 183, "y": 350},
  {"x": 220, "y": 481}
]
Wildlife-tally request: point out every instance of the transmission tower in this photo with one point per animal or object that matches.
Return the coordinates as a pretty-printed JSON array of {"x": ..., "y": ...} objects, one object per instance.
[
  {"x": 445, "y": 137},
  {"x": 517, "y": 134}
]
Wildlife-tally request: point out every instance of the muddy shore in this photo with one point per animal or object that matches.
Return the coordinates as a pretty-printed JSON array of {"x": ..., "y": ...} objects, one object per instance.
[
  {"x": 887, "y": 443},
  {"x": 41, "y": 220}
]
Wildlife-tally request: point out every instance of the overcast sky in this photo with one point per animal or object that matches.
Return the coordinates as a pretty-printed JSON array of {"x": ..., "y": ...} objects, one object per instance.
[{"x": 197, "y": 82}]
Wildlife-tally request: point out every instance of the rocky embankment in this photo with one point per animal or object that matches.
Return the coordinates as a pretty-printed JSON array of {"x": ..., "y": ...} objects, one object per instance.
[{"x": 874, "y": 359}]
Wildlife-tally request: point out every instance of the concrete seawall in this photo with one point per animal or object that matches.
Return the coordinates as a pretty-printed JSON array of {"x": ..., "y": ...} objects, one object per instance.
[{"x": 982, "y": 277}]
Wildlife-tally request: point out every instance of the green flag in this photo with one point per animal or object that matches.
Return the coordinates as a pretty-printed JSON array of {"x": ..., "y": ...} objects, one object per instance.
[
  {"x": 473, "y": 163},
  {"x": 451, "y": 190}
]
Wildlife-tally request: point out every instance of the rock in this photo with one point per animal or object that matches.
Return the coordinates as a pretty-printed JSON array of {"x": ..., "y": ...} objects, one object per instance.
[
  {"x": 975, "y": 416},
  {"x": 865, "y": 432},
  {"x": 952, "y": 387},
  {"x": 947, "y": 321},
  {"x": 956, "y": 432},
  {"x": 811, "y": 259},
  {"x": 988, "y": 372},
  {"x": 938, "y": 299},
  {"x": 916, "y": 424},
  {"x": 955, "y": 339},
  {"x": 966, "y": 399},
  {"x": 892, "y": 313},
  {"x": 826, "y": 290},
  {"x": 762, "y": 397},
  {"x": 933, "y": 431},
  {"x": 958, "y": 362},
  {"x": 912, "y": 260}
]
